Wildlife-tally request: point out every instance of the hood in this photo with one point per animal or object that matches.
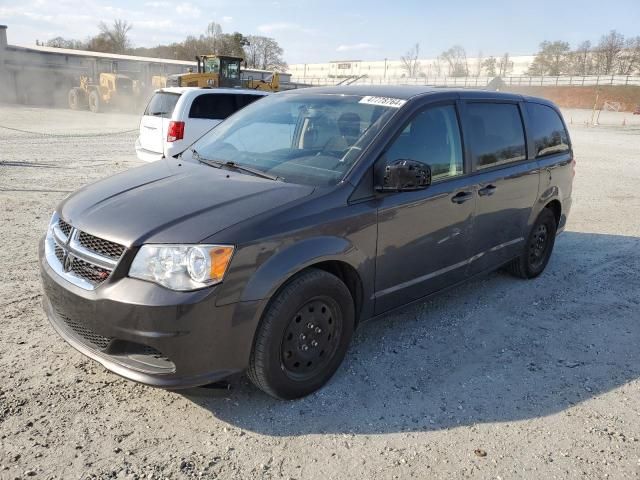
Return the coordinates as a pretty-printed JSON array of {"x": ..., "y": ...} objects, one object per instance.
[{"x": 169, "y": 202}]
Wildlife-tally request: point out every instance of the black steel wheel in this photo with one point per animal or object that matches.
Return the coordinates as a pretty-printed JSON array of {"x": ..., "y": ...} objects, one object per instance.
[
  {"x": 538, "y": 247},
  {"x": 303, "y": 336},
  {"x": 311, "y": 338}
]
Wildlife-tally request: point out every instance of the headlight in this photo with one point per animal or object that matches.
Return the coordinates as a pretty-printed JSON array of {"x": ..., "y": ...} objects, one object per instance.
[{"x": 182, "y": 267}]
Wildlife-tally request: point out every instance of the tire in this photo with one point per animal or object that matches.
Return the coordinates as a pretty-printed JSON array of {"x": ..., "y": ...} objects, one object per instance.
[
  {"x": 74, "y": 99},
  {"x": 537, "y": 249},
  {"x": 94, "y": 101},
  {"x": 303, "y": 336}
]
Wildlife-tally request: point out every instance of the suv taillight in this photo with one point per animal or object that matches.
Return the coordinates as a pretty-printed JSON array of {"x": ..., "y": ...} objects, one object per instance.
[{"x": 176, "y": 131}]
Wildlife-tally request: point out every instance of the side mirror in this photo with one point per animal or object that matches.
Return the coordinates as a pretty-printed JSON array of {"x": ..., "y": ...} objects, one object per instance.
[{"x": 404, "y": 175}]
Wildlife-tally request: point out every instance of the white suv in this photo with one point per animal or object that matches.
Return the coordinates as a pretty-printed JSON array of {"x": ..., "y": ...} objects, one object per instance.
[{"x": 176, "y": 117}]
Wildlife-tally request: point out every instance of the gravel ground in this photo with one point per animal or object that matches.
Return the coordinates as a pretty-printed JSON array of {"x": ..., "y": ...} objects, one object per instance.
[{"x": 500, "y": 378}]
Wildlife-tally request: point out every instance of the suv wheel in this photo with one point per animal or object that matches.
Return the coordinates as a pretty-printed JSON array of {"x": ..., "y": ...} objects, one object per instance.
[
  {"x": 303, "y": 336},
  {"x": 537, "y": 249}
]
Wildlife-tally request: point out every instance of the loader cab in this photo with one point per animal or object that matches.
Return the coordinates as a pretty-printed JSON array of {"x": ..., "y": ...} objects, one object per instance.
[{"x": 224, "y": 70}]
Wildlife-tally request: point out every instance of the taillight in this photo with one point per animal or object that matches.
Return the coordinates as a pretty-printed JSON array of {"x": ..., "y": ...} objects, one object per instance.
[
  {"x": 573, "y": 165},
  {"x": 175, "y": 132}
]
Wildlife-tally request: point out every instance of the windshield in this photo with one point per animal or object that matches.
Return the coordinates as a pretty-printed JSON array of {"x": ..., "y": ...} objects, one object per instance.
[{"x": 301, "y": 138}]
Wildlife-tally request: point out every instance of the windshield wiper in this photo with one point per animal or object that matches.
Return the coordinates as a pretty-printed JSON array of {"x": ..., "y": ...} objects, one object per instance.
[{"x": 234, "y": 166}]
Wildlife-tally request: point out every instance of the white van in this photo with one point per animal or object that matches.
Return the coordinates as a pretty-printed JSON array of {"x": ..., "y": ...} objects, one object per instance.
[{"x": 177, "y": 116}]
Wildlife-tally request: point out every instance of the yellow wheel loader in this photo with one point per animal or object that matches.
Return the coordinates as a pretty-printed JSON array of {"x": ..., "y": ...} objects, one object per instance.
[
  {"x": 112, "y": 90},
  {"x": 221, "y": 71},
  {"x": 213, "y": 71}
]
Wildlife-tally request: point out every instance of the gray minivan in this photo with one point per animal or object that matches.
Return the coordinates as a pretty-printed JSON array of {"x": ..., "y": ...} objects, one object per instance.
[{"x": 264, "y": 245}]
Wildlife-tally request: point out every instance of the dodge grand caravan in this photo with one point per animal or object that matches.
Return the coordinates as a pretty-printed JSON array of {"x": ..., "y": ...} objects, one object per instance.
[{"x": 265, "y": 244}]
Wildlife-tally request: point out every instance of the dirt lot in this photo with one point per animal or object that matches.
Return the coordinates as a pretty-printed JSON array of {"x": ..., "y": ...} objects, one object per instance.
[{"x": 500, "y": 378}]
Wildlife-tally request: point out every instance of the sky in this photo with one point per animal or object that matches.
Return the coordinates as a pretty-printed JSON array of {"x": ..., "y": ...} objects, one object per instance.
[{"x": 317, "y": 31}]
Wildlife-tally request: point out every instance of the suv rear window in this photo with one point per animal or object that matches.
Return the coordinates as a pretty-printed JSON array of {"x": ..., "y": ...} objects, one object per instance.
[
  {"x": 547, "y": 130},
  {"x": 497, "y": 134},
  {"x": 162, "y": 104},
  {"x": 218, "y": 106}
]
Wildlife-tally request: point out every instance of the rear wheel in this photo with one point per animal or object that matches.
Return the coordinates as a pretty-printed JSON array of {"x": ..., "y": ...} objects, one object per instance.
[
  {"x": 303, "y": 336},
  {"x": 538, "y": 247},
  {"x": 94, "y": 101},
  {"x": 74, "y": 99}
]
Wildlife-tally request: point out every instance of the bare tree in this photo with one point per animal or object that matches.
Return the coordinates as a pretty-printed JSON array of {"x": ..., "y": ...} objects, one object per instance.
[
  {"x": 410, "y": 62},
  {"x": 213, "y": 35},
  {"x": 60, "y": 42},
  {"x": 264, "y": 53},
  {"x": 608, "y": 51},
  {"x": 479, "y": 61},
  {"x": 581, "y": 59},
  {"x": 456, "y": 59},
  {"x": 490, "y": 66},
  {"x": 117, "y": 36},
  {"x": 629, "y": 58}
]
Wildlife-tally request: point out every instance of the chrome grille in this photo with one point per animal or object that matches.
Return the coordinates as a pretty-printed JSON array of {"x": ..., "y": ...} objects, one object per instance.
[
  {"x": 59, "y": 253},
  {"x": 64, "y": 227},
  {"x": 92, "y": 273},
  {"x": 83, "y": 259},
  {"x": 101, "y": 246}
]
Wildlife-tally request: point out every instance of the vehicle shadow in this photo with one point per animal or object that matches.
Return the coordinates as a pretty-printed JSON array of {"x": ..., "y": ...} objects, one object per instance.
[{"x": 496, "y": 349}]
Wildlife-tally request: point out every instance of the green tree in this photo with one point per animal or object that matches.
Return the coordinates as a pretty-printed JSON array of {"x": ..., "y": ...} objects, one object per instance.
[{"x": 551, "y": 59}]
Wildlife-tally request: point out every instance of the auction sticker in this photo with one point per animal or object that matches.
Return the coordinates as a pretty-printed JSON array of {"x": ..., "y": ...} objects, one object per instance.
[{"x": 383, "y": 101}]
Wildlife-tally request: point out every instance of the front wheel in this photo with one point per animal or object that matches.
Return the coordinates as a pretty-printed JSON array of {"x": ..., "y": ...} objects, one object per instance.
[
  {"x": 303, "y": 336},
  {"x": 94, "y": 101},
  {"x": 537, "y": 250}
]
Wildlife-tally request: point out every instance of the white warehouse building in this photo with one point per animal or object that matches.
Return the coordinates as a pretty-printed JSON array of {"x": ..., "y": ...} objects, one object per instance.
[{"x": 390, "y": 69}]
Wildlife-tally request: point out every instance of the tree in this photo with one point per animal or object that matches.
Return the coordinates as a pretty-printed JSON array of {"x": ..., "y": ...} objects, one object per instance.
[
  {"x": 116, "y": 36},
  {"x": 479, "y": 62},
  {"x": 608, "y": 51},
  {"x": 214, "y": 32},
  {"x": 581, "y": 59},
  {"x": 60, "y": 42},
  {"x": 490, "y": 66},
  {"x": 263, "y": 53},
  {"x": 456, "y": 59},
  {"x": 233, "y": 44},
  {"x": 629, "y": 58},
  {"x": 551, "y": 59},
  {"x": 505, "y": 65},
  {"x": 410, "y": 62}
]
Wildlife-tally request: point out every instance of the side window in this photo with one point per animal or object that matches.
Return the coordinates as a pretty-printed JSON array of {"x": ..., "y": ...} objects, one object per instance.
[
  {"x": 547, "y": 130},
  {"x": 432, "y": 136},
  {"x": 214, "y": 106},
  {"x": 496, "y": 133},
  {"x": 244, "y": 100}
]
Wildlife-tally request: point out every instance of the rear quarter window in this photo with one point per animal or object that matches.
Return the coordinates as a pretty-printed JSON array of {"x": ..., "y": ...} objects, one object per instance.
[
  {"x": 546, "y": 130},
  {"x": 218, "y": 106},
  {"x": 496, "y": 133},
  {"x": 162, "y": 104}
]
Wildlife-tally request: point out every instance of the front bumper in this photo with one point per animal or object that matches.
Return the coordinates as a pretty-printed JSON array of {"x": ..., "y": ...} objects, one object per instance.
[{"x": 149, "y": 334}]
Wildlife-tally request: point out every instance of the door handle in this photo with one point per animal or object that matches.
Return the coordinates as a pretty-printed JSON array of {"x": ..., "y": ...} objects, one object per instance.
[
  {"x": 462, "y": 197},
  {"x": 486, "y": 191}
]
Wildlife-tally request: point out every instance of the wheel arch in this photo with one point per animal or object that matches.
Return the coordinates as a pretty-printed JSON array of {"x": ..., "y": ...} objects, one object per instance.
[
  {"x": 556, "y": 207},
  {"x": 334, "y": 255}
]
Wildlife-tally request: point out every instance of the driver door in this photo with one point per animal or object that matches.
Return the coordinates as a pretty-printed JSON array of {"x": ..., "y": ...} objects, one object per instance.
[{"x": 424, "y": 235}]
